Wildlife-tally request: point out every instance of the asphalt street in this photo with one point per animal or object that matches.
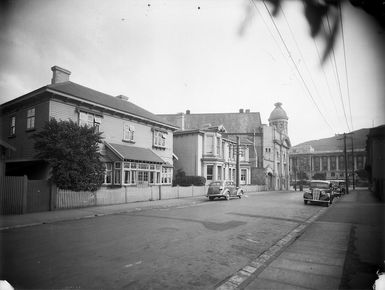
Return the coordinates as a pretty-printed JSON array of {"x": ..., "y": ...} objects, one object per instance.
[{"x": 202, "y": 245}]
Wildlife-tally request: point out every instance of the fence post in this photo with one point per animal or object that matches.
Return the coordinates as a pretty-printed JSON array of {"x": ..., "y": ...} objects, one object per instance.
[
  {"x": 177, "y": 190},
  {"x": 125, "y": 194},
  {"x": 52, "y": 196},
  {"x": 160, "y": 192},
  {"x": 25, "y": 190},
  {"x": 192, "y": 190}
]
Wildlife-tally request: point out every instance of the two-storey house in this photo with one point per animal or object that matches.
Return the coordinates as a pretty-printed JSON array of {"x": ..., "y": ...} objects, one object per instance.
[
  {"x": 209, "y": 152},
  {"x": 137, "y": 147}
]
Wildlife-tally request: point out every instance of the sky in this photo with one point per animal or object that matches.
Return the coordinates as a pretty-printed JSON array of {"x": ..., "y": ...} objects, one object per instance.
[{"x": 212, "y": 56}]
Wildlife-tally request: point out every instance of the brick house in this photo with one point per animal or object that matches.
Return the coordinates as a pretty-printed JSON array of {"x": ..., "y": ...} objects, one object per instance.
[{"x": 137, "y": 147}]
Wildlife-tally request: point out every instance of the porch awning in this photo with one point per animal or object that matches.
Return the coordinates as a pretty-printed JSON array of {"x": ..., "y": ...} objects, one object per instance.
[{"x": 133, "y": 153}]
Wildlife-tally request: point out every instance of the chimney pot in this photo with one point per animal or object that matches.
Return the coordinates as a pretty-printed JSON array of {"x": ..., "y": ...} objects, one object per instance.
[
  {"x": 122, "y": 97},
  {"x": 241, "y": 111},
  {"x": 59, "y": 75},
  {"x": 187, "y": 112},
  {"x": 247, "y": 110}
]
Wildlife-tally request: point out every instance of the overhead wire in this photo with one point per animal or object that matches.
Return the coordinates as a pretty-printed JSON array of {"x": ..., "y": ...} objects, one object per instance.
[
  {"x": 296, "y": 66},
  {"x": 338, "y": 78},
  {"x": 326, "y": 79},
  {"x": 345, "y": 63},
  {"x": 302, "y": 56},
  {"x": 271, "y": 33}
]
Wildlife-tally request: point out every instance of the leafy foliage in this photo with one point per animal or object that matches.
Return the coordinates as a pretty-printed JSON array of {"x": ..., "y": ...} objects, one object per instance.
[
  {"x": 188, "y": 180},
  {"x": 72, "y": 151}
]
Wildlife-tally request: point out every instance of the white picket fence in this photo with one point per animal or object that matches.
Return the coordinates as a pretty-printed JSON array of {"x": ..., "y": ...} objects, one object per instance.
[{"x": 119, "y": 195}]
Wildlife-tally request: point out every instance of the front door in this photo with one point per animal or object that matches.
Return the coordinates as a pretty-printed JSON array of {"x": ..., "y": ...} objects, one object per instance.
[{"x": 243, "y": 176}]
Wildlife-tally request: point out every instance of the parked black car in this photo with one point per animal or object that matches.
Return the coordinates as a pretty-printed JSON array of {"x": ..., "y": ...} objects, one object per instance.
[
  {"x": 320, "y": 191},
  {"x": 224, "y": 188}
]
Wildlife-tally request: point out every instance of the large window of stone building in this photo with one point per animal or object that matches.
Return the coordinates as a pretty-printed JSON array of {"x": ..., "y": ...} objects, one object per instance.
[
  {"x": 316, "y": 163},
  {"x": 350, "y": 162},
  {"x": 218, "y": 146},
  {"x": 333, "y": 162},
  {"x": 341, "y": 162},
  {"x": 324, "y": 163}
]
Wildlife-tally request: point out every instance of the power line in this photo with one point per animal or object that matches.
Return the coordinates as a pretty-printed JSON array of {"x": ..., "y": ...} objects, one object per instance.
[
  {"x": 326, "y": 79},
  {"x": 338, "y": 78},
  {"x": 295, "y": 65},
  {"x": 271, "y": 34},
  {"x": 302, "y": 56},
  {"x": 345, "y": 63}
]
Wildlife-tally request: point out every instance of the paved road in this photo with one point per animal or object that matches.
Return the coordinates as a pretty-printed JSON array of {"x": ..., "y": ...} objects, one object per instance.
[{"x": 191, "y": 247}]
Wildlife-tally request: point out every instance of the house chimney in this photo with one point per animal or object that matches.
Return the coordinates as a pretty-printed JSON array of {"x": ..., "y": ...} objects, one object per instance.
[
  {"x": 122, "y": 97},
  {"x": 187, "y": 112},
  {"x": 180, "y": 120},
  {"x": 60, "y": 75},
  {"x": 247, "y": 110},
  {"x": 241, "y": 111}
]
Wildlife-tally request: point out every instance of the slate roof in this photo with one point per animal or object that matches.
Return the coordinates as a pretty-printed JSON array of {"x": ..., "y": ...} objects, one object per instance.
[
  {"x": 87, "y": 94},
  {"x": 136, "y": 153},
  {"x": 233, "y": 122},
  {"x": 91, "y": 95}
]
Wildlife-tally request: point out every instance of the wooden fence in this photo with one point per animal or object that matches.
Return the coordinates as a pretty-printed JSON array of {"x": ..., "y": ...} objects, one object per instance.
[
  {"x": 19, "y": 195},
  {"x": 13, "y": 196}
]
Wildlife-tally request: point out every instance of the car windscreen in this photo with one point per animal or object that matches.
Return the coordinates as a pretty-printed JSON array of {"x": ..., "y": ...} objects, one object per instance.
[
  {"x": 319, "y": 185},
  {"x": 218, "y": 183}
]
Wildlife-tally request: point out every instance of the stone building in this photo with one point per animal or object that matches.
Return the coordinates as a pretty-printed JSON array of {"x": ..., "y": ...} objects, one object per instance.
[
  {"x": 325, "y": 158},
  {"x": 266, "y": 161}
]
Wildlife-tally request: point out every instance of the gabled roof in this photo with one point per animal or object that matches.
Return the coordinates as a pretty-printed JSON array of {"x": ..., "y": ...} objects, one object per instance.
[
  {"x": 134, "y": 153},
  {"x": 71, "y": 89},
  {"x": 233, "y": 122},
  {"x": 91, "y": 95}
]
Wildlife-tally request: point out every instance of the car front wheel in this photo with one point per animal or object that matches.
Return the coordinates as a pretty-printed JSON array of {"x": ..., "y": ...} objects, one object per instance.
[
  {"x": 305, "y": 201},
  {"x": 227, "y": 196}
]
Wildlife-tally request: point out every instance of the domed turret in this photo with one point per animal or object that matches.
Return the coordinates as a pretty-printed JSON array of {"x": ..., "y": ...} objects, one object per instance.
[
  {"x": 278, "y": 118},
  {"x": 278, "y": 113}
]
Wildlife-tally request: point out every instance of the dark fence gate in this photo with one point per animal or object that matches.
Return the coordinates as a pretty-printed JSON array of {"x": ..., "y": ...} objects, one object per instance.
[
  {"x": 19, "y": 195},
  {"x": 38, "y": 196}
]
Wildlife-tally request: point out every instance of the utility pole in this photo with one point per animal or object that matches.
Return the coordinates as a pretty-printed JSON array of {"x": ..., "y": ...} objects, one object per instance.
[
  {"x": 237, "y": 164},
  {"x": 346, "y": 163},
  {"x": 346, "y": 166},
  {"x": 354, "y": 184}
]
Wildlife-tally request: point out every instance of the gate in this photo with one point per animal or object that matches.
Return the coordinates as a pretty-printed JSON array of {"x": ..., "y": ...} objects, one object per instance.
[{"x": 38, "y": 196}]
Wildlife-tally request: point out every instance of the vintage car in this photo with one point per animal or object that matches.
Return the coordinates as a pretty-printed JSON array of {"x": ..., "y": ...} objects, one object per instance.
[
  {"x": 339, "y": 187},
  {"x": 224, "y": 188},
  {"x": 320, "y": 191}
]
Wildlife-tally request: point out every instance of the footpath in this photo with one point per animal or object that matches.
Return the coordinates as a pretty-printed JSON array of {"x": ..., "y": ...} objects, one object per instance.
[{"x": 342, "y": 249}]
